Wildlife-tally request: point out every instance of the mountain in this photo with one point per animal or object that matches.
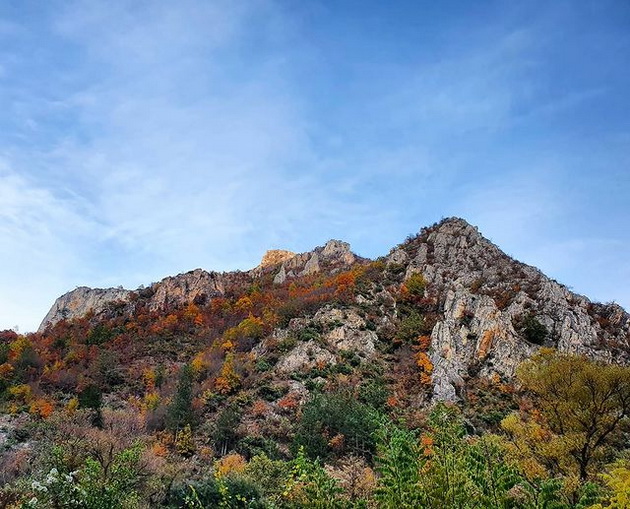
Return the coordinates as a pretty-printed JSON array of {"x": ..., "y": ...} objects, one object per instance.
[
  {"x": 482, "y": 312},
  {"x": 323, "y": 379}
]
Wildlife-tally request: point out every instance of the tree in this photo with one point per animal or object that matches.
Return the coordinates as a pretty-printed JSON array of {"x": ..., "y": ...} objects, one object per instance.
[
  {"x": 180, "y": 411},
  {"x": 578, "y": 409},
  {"x": 336, "y": 423},
  {"x": 398, "y": 465},
  {"x": 91, "y": 397}
]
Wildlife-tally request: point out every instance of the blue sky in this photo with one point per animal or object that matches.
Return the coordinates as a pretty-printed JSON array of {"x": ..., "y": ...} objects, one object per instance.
[{"x": 140, "y": 139}]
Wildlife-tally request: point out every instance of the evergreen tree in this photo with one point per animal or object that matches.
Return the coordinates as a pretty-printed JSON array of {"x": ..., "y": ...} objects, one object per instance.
[{"x": 180, "y": 411}]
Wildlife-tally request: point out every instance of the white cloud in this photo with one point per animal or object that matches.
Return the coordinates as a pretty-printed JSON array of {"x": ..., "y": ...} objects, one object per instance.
[{"x": 42, "y": 238}]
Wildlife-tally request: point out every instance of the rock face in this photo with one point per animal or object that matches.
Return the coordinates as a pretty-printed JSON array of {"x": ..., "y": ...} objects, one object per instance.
[
  {"x": 333, "y": 255},
  {"x": 197, "y": 285},
  {"x": 483, "y": 298},
  {"x": 275, "y": 256},
  {"x": 81, "y": 301}
]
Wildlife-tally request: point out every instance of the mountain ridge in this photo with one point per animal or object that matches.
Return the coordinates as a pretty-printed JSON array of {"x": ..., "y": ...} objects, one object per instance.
[{"x": 480, "y": 309}]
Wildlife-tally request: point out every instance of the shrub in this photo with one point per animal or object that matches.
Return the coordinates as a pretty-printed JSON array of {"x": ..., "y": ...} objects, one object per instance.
[
  {"x": 339, "y": 415},
  {"x": 533, "y": 331}
]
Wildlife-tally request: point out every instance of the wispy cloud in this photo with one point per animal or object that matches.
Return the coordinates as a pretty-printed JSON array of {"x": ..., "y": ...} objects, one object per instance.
[{"x": 146, "y": 138}]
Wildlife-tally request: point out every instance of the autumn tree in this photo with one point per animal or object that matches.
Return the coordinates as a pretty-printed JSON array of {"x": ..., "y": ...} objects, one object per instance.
[{"x": 579, "y": 408}]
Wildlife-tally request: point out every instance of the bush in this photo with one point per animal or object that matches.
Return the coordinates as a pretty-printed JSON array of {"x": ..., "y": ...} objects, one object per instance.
[
  {"x": 533, "y": 331},
  {"x": 411, "y": 327},
  {"x": 336, "y": 424}
]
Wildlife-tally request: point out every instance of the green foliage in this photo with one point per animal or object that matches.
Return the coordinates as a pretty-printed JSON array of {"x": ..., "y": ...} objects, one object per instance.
[
  {"x": 398, "y": 465},
  {"x": 374, "y": 393},
  {"x": 99, "y": 334},
  {"x": 224, "y": 433},
  {"x": 270, "y": 475},
  {"x": 311, "y": 332},
  {"x": 444, "y": 468},
  {"x": 411, "y": 327},
  {"x": 336, "y": 424},
  {"x": 160, "y": 375},
  {"x": 230, "y": 492},
  {"x": 90, "y": 397},
  {"x": 310, "y": 486},
  {"x": 4, "y": 352},
  {"x": 252, "y": 446},
  {"x": 533, "y": 331},
  {"x": 91, "y": 487},
  {"x": 180, "y": 412}
]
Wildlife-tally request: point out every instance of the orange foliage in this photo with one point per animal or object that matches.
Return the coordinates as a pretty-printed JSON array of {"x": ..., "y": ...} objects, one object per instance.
[
  {"x": 228, "y": 380},
  {"x": 41, "y": 408},
  {"x": 337, "y": 442},
  {"x": 424, "y": 343},
  {"x": 259, "y": 408},
  {"x": 426, "y": 367},
  {"x": 393, "y": 401},
  {"x": 345, "y": 283},
  {"x": 159, "y": 449},
  {"x": 427, "y": 444},
  {"x": 232, "y": 463},
  {"x": 290, "y": 402}
]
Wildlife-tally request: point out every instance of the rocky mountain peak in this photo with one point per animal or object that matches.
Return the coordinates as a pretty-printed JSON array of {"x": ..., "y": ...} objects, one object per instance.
[{"x": 275, "y": 256}]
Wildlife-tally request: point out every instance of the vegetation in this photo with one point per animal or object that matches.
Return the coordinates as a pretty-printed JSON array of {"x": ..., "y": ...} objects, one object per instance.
[{"x": 194, "y": 407}]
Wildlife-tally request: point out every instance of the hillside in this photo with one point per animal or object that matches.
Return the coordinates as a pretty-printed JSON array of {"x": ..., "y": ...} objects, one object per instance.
[{"x": 241, "y": 357}]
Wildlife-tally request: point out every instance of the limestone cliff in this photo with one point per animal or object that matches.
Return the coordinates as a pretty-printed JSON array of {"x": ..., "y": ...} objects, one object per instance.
[
  {"x": 81, "y": 301},
  {"x": 484, "y": 297}
]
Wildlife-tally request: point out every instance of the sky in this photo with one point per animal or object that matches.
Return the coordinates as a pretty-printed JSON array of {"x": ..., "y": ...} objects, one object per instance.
[{"x": 141, "y": 139}]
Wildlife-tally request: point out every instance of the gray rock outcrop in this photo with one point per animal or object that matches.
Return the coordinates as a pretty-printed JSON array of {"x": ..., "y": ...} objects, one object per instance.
[{"x": 81, "y": 301}]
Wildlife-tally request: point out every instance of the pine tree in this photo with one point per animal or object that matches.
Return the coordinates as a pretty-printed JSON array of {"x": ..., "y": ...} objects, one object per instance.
[{"x": 180, "y": 411}]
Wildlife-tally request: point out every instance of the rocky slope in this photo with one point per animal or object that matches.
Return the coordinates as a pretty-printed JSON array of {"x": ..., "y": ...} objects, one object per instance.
[
  {"x": 484, "y": 312},
  {"x": 484, "y": 298},
  {"x": 199, "y": 285}
]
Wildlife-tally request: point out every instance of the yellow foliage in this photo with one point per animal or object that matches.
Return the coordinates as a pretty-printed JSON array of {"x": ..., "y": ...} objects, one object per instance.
[
  {"x": 151, "y": 401},
  {"x": 578, "y": 411},
  {"x": 617, "y": 479},
  {"x": 244, "y": 304},
  {"x": 19, "y": 345},
  {"x": 228, "y": 380},
  {"x": 198, "y": 364},
  {"x": 72, "y": 405},
  {"x": 22, "y": 393},
  {"x": 6, "y": 370},
  {"x": 184, "y": 441},
  {"x": 148, "y": 377},
  {"x": 230, "y": 464}
]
